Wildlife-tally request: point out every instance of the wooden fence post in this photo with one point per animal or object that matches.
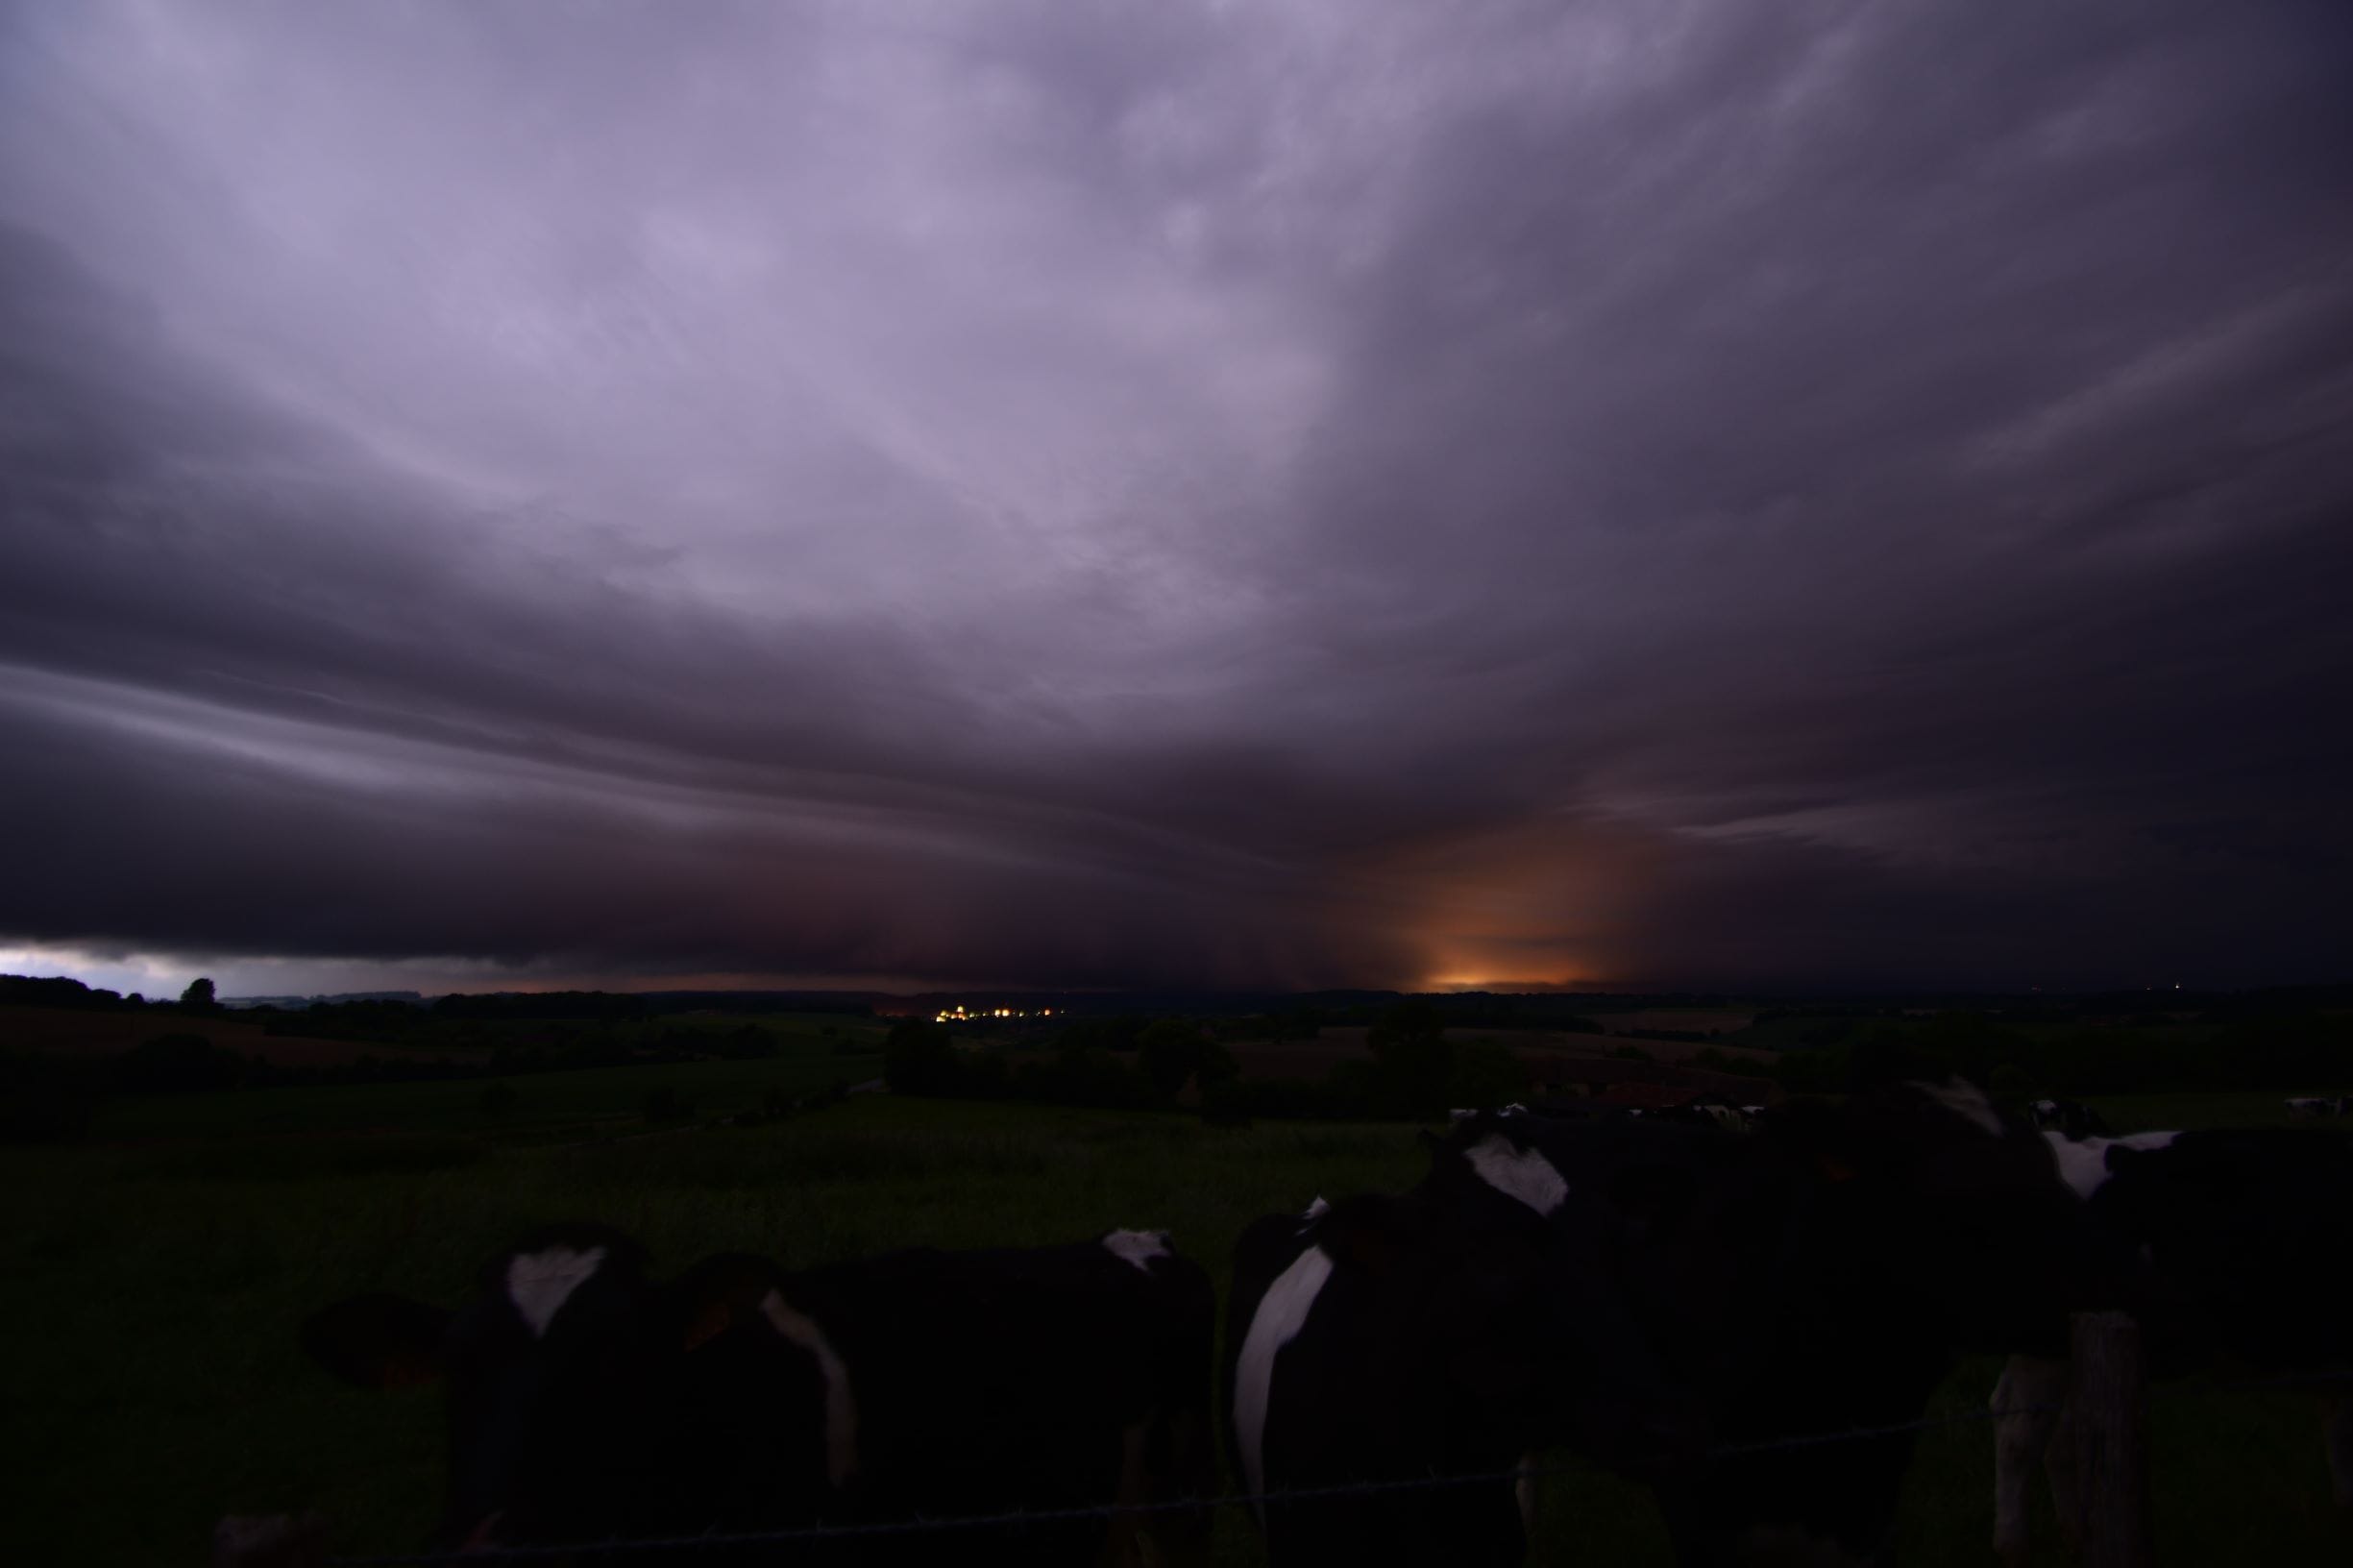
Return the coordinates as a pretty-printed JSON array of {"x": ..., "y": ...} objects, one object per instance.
[{"x": 2109, "y": 1408}]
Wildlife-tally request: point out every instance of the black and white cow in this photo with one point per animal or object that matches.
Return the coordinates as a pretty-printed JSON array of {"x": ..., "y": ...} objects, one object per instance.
[
  {"x": 2248, "y": 1239},
  {"x": 2309, "y": 1106},
  {"x": 2070, "y": 1118},
  {"x": 1401, "y": 1338},
  {"x": 586, "y": 1403},
  {"x": 1823, "y": 1275},
  {"x": 998, "y": 1382},
  {"x": 562, "y": 1374}
]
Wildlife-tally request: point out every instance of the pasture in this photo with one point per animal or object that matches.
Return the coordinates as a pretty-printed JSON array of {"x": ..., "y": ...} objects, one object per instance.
[{"x": 154, "y": 1281}]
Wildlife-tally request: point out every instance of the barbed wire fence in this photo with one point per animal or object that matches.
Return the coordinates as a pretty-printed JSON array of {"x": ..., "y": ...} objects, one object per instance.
[{"x": 1021, "y": 1519}]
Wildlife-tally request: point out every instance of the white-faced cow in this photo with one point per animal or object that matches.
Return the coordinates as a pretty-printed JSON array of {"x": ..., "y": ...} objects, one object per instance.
[
  {"x": 1386, "y": 1340},
  {"x": 2246, "y": 1237},
  {"x": 1823, "y": 1275},
  {"x": 587, "y": 1404}
]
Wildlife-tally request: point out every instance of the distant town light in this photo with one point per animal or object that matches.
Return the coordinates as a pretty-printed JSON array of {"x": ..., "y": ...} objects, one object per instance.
[{"x": 960, "y": 1014}]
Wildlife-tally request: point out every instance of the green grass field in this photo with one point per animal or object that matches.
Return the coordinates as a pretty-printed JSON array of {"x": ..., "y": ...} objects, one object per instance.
[{"x": 151, "y": 1291}]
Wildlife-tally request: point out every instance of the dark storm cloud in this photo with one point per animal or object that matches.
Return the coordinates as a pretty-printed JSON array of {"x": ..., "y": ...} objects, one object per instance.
[{"x": 1064, "y": 494}]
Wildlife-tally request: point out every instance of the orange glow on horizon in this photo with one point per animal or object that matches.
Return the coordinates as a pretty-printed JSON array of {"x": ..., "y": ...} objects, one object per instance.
[{"x": 1529, "y": 981}]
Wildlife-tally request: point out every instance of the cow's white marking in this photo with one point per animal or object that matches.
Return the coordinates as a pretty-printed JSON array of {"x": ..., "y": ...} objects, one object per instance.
[
  {"x": 1282, "y": 1311},
  {"x": 841, "y": 1409},
  {"x": 2083, "y": 1161},
  {"x": 540, "y": 1283},
  {"x": 1316, "y": 1210},
  {"x": 1524, "y": 1174},
  {"x": 1964, "y": 1099},
  {"x": 1137, "y": 1247}
]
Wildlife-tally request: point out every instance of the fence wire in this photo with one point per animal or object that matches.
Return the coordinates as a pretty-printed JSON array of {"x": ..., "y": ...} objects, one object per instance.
[
  {"x": 1107, "y": 1512},
  {"x": 1120, "y": 1511}
]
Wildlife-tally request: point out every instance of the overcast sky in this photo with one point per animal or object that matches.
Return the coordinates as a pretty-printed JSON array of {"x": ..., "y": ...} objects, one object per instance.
[{"x": 1161, "y": 494}]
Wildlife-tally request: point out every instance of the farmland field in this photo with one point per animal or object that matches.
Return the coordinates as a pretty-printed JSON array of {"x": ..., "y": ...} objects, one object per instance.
[
  {"x": 1313, "y": 1059},
  {"x": 85, "y": 1033},
  {"x": 152, "y": 1288}
]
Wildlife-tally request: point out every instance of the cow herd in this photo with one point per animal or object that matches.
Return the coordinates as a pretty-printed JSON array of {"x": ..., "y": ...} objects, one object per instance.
[{"x": 1683, "y": 1305}]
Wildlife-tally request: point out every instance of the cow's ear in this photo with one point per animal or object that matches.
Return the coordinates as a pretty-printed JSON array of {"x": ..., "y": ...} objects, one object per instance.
[
  {"x": 378, "y": 1341},
  {"x": 717, "y": 1293}
]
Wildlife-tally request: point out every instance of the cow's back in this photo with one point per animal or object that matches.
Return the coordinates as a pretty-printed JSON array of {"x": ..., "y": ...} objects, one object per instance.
[
  {"x": 2249, "y": 1234},
  {"x": 1022, "y": 1380},
  {"x": 1372, "y": 1344}
]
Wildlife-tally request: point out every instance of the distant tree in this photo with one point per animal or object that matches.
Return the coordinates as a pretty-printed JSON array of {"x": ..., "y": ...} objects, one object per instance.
[
  {"x": 1411, "y": 1059},
  {"x": 747, "y": 1042},
  {"x": 918, "y": 1057},
  {"x": 1217, "y": 1066},
  {"x": 1485, "y": 1074},
  {"x": 1085, "y": 1075},
  {"x": 198, "y": 996},
  {"x": 1169, "y": 1052}
]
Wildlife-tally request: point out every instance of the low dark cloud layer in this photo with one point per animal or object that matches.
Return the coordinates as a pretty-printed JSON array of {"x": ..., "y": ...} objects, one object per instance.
[{"x": 1295, "y": 496}]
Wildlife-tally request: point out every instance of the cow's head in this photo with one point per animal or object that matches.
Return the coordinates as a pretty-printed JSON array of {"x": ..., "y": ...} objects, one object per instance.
[
  {"x": 1606, "y": 1388},
  {"x": 1923, "y": 1197},
  {"x": 585, "y": 1401}
]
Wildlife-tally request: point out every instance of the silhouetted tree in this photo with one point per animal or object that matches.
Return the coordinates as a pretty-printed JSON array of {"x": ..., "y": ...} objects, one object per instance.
[
  {"x": 918, "y": 1057},
  {"x": 1411, "y": 1058},
  {"x": 1217, "y": 1065},
  {"x": 1169, "y": 1052},
  {"x": 198, "y": 996},
  {"x": 1485, "y": 1074}
]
